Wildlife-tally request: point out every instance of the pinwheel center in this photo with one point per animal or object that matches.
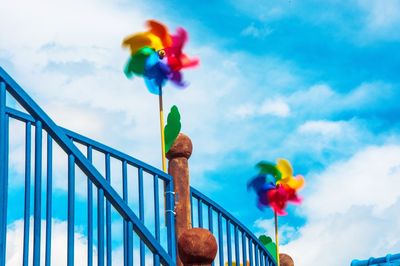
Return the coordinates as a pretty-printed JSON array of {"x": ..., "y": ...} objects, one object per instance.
[{"x": 161, "y": 53}]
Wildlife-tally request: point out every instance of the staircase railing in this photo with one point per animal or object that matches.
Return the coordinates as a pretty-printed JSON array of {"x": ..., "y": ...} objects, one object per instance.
[
  {"x": 235, "y": 242},
  {"x": 143, "y": 216},
  {"x": 106, "y": 194}
]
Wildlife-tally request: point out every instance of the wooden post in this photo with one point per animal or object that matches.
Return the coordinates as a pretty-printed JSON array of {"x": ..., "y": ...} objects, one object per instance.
[{"x": 195, "y": 246}]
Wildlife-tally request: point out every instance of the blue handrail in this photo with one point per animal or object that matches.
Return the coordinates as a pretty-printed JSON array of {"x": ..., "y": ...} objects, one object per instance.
[
  {"x": 255, "y": 254},
  {"x": 388, "y": 260}
]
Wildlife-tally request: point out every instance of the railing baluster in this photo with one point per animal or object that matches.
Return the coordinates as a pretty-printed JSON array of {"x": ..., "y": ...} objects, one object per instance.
[
  {"x": 170, "y": 219},
  {"x": 237, "y": 258},
  {"x": 100, "y": 227},
  {"x": 229, "y": 244},
  {"x": 256, "y": 255},
  {"x": 191, "y": 207},
  {"x": 27, "y": 199},
  {"x": 141, "y": 213},
  {"x": 250, "y": 251},
  {"x": 200, "y": 212},
  {"x": 38, "y": 194},
  {"x": 210, "y": 219},
  {"x": 244, "y": 248},
  {"x": 49, "y": 191},
  {"x": 125, "y": 198},
  {"x": 262, "y": 258},
  {"x": 156, "y": 209},
  {"x": 267, "y": 262},
  {"x": 210, "y": 223},
  {"x": 156, "y": 259},
  {"x": 220, "y": 240},
  {"x": 241, "y": 255},
  {"x": 3, "y": 173},
  {"x": 156, "y": 216},
  {"x": 71, "y": 209},
  {"x": 129, "y": 241},
  {"x": 90, "y": 212},
  {"x": 108, "y": 213}
]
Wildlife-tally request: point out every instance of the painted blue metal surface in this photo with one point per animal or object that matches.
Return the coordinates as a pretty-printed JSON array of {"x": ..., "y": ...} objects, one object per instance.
[
  {"x": 27, "y": 196},
  {"x": 100, "y": 227},
  {"x": 125, "y": 198},
  {"x": 90, "y": 213},
  {"x": 220, "y": 240},
  {"x": 141, "y": 214},
  {"x": 3, "y": 173},
  {"x": 49, "y": 193},
  {"x": 37, "y": 210},
  {"x": 388, "y": 260},
  {"x": 71, "y": 210},
  {"x": 108, "y": 212},
  {"x": 239, "y": 228},
  {"x": 229, "y": 241}
]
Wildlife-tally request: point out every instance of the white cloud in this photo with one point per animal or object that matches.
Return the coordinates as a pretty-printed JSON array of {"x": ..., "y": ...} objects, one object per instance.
[
  {"x": 256, "y": 32},
  {"x": 333, "y": 128},
  {"x": 73, "y": 68},
  {"x": 273, "y": 107},
  {"x": 383, "y": 17},
  {"x": 59, "y": 244},
  {"x": 363, "y": 98},
  {"x": 276, "y": 107},
  {"x": 267, "y": 227},
  {"x": 351, "y": 210},
  {"x": 15, "y": 233}
]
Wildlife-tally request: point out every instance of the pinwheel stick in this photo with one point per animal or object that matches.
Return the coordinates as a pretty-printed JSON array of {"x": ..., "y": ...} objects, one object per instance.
[
  {"x": 277, "y": 238},
  {"x": 164, "y": 162}
]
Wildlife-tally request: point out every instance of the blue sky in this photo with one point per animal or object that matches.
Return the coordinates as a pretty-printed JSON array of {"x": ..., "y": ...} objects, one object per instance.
[{"x": 314, "y": 82}]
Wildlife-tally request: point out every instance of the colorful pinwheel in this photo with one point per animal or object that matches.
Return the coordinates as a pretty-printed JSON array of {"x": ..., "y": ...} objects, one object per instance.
[
  {"x": 275, "y": 185},
  {"x": 157, "y": 56}
]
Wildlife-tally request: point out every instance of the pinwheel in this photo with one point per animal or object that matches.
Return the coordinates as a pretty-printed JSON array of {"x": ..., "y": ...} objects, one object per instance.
[
  {"x": 275, "y": 186},
  {"x": 158, "y": 57}
]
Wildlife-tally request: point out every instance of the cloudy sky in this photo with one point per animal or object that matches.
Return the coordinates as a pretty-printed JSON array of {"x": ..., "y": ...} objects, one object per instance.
[{"x": 316, "y": 83}]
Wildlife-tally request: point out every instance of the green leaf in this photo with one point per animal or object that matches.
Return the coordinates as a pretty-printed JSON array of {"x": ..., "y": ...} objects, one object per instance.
[
  {"x": 172, "y": 128},
  {"x": 265, "y": 239},
  {"x": 269, "y": 168},
  {"x": 269, "y": 245}
]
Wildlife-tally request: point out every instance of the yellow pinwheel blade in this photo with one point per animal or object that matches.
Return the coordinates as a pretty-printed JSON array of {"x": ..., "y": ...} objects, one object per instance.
[
  {"x": 285, "y": 168},
  {"x": 296, "y": 182},
  {"x": 137, "y": 41}
]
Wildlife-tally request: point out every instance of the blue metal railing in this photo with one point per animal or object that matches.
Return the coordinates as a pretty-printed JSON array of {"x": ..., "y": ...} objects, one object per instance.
[
  {"x": 388, "y": 260},
  {"x": 248, "y": 251},
  {"x": 106, "y": 195},
  {"x": 236, "y": 242}
]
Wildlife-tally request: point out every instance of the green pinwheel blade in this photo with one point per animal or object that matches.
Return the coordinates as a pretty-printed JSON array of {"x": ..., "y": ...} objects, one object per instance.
[
  {"x": 136, "y": 63},
  {"x": 172, "y": 128},
  {"x": 269, "y": 168}
]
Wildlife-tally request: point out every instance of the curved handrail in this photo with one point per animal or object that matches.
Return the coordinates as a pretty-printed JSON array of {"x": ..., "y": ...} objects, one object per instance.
[
  {"x": 215, "y": 206},
  {"x": 376, "y": 261},
  {"x": 81, "y": 161}
]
